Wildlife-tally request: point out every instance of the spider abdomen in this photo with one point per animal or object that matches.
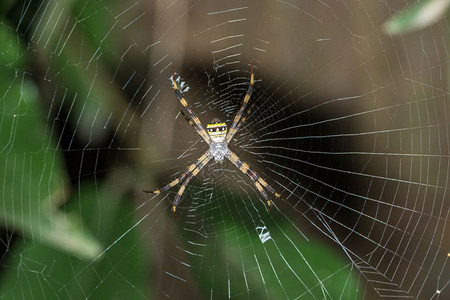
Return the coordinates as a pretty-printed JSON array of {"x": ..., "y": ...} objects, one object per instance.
[{"x": 219, "y": 150}]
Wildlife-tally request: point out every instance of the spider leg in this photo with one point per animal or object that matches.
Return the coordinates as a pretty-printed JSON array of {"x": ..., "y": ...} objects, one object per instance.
[
  {"x": 257, "y": 180},
  {"x": 184, "y": 184},
  {"x": 189, "y": 120},
  {"x": 247, "y": 113},
  {"x": 234, "y": 125},
  {"x": 182, "y": 176},
  {"x": 199, "y": 127}
]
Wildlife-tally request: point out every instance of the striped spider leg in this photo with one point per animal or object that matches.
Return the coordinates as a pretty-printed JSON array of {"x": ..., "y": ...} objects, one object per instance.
[
  {"x": 195, "y": 168},
  {"x": 190, "y": 122},
  {"x": 180, "y": 178},
  {"x": 235, "y": 125},
  {"x": 191, "y": 172},
  {"x": 239, "y": 119},
  {"x": 247, "y": 113},
  {"x": 193, "y": 117},
  {"x": 217, "y": 136},
  {"x": 258, "y": 181}
]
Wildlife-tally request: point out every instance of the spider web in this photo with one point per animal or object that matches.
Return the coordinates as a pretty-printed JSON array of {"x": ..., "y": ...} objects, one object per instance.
[{"x": 349, "y": 125}]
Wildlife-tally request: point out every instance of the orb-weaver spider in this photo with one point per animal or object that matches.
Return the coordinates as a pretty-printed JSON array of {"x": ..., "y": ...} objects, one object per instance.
[{"x": 217, "y": 137}]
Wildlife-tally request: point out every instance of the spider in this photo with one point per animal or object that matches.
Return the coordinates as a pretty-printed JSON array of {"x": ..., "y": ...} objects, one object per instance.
[{"x": 217, "y": 136}]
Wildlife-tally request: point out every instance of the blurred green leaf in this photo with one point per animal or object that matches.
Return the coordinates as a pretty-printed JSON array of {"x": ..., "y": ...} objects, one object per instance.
[
  {"x": 266, "y": 259},
  {"x": 6, "y": 5},
  {"x": 84, "y": 65},
  {"x": 32, "y": 173},
  {"x": 78, "y": 66},
  {"x": 36, "y": 271},
  {"x": 423, "y": 13}
]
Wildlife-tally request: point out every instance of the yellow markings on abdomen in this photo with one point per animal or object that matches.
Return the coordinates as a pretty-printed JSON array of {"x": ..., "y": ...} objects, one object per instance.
[{"x": 215, "y": 125}]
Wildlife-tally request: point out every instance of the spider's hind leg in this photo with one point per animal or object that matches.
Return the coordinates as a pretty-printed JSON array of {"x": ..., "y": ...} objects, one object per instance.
[
  {"x": 235, "y": 125},
  {"x": 181, "y": 177},
  {"x": 184, "y": 184},
  {"x": 198, "y": 125},
  {"x": 256, "y": 179}
]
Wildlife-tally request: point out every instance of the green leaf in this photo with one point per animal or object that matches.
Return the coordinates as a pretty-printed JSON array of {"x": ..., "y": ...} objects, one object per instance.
[
  {"x": 424, "y": 13},
  {"x": 36, "y": 271},
  {"x": 6, "y": 6},
  {"x": 31, "y": 167},
  {"x": 261, "y": 256}
]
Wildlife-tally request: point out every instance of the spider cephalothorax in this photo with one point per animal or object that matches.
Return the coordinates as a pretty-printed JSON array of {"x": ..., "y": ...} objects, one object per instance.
[
  {"x": 217, "y": 136},
  {"x": 218, "y": 147}
]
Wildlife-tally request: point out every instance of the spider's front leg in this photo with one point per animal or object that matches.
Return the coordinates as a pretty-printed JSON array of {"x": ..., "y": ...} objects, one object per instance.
[
  {"x": 192, "y": 171},
  {"x": 256, "y": 179},
  {"x": 190, "y": 122},
  {"x": 196, "y": 121},
  {"x": 235, "y": 125},
  {"x": 184, "y": 184},
  {"x": 181, "y": 177}
]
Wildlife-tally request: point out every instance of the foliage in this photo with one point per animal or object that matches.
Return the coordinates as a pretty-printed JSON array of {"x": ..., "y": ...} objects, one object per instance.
[{"x": 422, "y": 14}]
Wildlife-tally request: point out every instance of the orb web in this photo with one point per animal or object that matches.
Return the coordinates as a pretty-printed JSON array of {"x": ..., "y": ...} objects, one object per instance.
[{"x": 348, "y": 124}]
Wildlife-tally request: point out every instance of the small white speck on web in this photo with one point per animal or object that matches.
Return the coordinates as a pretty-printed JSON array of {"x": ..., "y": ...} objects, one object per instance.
[
  {"x": 263, "y": 233},
  {"x": 182, "y": 85}
]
